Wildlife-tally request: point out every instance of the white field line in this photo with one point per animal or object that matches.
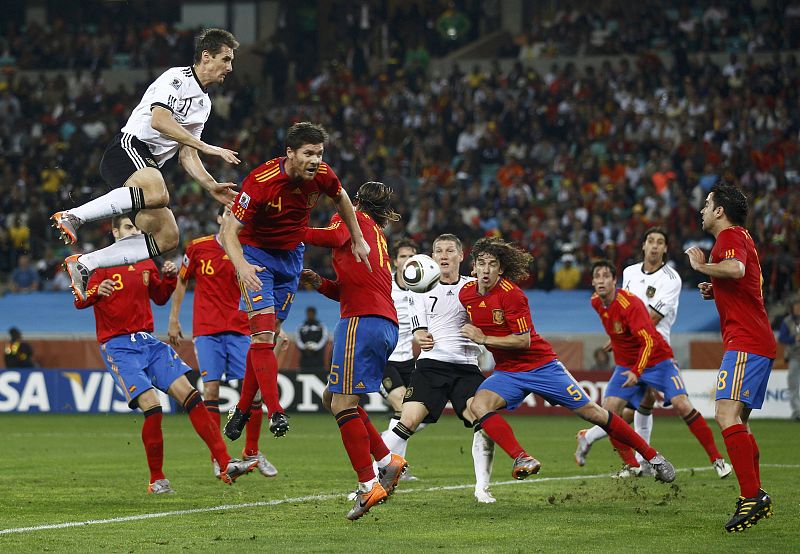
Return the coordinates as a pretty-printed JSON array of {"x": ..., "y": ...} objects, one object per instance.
[{"x": 320, "y": 497}]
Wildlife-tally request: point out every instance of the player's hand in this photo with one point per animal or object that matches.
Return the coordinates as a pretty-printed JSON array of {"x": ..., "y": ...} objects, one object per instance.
[
  {"x": 169, "y": 269},
  {"x": 229, "y": 156},
  {"x": 473, "y": 333},
  {"x": 696, "y": 257},
  {"x": 224, "y": 193},
  {"x": 424, "y": 339},
  {"x": 174, "y": 333},
  {"x": 311, "y": 278},
  {"x": 607, "y": 347},
  {"x": 706, "y": 291},
  {"x": 361, "y": 251},
  {"x": 630, "y": 379},
  {"x": 106, "y": 288},
  {"x": 247, "y": 275}
]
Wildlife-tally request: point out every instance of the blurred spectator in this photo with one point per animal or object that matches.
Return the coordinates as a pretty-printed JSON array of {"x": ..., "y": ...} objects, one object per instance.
[
  {"x": 789, "y": 336},
  {"x": 18, "y": 353},
  {"x": 568, "y": 276},
  {"x": 602, "y": 361},
  {"x": 24, "y": 278},
  {"x": 311, "y": 338}
]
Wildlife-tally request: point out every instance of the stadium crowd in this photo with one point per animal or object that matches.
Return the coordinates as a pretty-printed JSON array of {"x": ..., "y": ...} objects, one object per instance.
[{"x": 571, "y": 163}]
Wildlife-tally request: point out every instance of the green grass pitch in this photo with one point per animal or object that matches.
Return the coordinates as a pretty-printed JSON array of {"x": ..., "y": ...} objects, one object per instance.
[{"x": 61, "y": 469}]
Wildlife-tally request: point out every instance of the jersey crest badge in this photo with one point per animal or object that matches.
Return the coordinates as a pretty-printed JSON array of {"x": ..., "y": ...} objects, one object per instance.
[
  {"x": 176, "y": 84},
  {"x": 244, "y": 200},
  {"x": 145, "y": 278},
  {"x": 650, "y": 292},
  {"x": 618, "y": 327},
  {"x": 409, "y": 392},
  {"x": 498, "y": 317}
]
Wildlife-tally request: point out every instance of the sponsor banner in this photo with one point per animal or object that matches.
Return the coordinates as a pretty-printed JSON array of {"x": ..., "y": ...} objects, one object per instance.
[{"x": 94, "y": 391}]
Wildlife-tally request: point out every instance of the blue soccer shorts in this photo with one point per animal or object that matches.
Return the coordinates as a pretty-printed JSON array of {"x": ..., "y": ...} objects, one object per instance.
[
  {"x": 139, "y": 361},
  {"x": 665, "y": 377},
  {"x": 221, "y": 357},
  {"x": 279, "y": 280},
  {"x": 361, "y": 347},
  {"x": 744, "y": 377},
  {"x": 551, "y": 381}
]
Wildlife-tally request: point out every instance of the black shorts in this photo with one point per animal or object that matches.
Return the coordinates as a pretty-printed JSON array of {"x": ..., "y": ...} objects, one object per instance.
[
  {"x": 124, "y": 156},
  {"x": 397, "y": 374},
  {"x": 434, "y": 383}
]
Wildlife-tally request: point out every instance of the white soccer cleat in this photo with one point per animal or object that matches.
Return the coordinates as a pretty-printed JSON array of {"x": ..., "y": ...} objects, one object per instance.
[
  {"x": 160, "y": 486},
  {"x": 722, "y": 468},
  {"x": 216, "y": 469},
  {"x": 264, "y": 466},
  {"x": 627, "y": 472},
  {"x": 484, "y": 496},
  {"x": 583, "y": 447}
]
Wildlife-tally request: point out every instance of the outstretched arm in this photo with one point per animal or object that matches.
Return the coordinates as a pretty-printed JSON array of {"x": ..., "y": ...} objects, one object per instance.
[{"x": 359, "y": 247}]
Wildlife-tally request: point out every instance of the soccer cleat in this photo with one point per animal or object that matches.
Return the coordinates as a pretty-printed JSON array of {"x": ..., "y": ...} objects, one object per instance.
[
  {"x": 264, "y": 466},
  {"x": 484, "y": 496},
  {"x": 279, "y": 424},
  {"x": 390, "y": 475},
  {"x": 722, "y": 467},
  {"x": 236, "y": 422},
  {"x": 627, "y": 472},
  {"x": 749, "y": 511},
  {"x": 160, "y": 486},
  {"x": 525, "y": 465},
  {"x": 408, "y": 476},
  {"x": 665, "y": 472},
  {"x": 366, "y": 500},
  {"x": 237, "y": 468},
  {"x": 216, "y": 468},
  {"x": 67, "y": 226},
  {"x": 583, "y": 447},
  {"x": 78, "y": 274},
  {"x": 647, "y": 469}
]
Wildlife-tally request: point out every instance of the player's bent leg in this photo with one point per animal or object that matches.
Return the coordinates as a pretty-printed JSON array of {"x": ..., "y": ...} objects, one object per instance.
[
  {"x": 159, "y": 224},
  {"x": 153, "y": 441},
  {"x": 482, "y": 458},
  {"x": 211, "y": 400}
]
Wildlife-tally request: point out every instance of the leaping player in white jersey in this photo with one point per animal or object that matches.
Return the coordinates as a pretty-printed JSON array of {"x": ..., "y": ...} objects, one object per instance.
[
  {"x": 447, "y": 367},
  {"x": 398, "y": 370},
  {"x": 168, "y": 120},
  {"x": 659, "y": 287}
]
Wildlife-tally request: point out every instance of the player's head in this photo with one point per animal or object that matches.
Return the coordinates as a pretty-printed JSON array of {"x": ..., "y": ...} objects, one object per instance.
[
  {"x": 494, "y": 257},
  {"x": 14, "y": 334},
  {"x": 311, "y": 312},
  {"x": 402, "y": 250},
  {"x": 725, "y": 205},
  {"x": 213, "y": 54},
  {"x": 221, "y": 213},
  {"x": 122, "y": 227},
  {"x": 375, "y": 199},
  {"x": 604, "y": 278},
  {"x": 305, "y": 143},
  {"x": 655, "y": 245},
  {"x": 448, "y": 252}
]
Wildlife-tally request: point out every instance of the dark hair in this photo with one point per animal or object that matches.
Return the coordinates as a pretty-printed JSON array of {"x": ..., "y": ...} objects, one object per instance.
[
  {"x": 603, "y": 262},
  {"x": 731, "y": 200},
  {"x": 514, "y": 262},
  {"x": 451, "y": 237},
  {"x": 375, "y": 200},
  {"x": 116, "y": 221},
  {"x": 221, "y": 210},
  {"x": 404, "y": 242},
  {"x": 305, "y": 132},
  {"x": 661, "y": 231},
  {"x": 213, "y": 40}
]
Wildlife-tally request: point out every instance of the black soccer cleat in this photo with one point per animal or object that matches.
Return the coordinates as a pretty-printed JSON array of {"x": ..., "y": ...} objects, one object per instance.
[
  {"x": 236, "y": 422},
  {"x": 279, "y": 424},
  {"x": 749, "y": 511}
]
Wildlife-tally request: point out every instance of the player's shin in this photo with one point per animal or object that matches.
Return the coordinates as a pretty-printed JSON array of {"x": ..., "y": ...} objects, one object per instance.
[
  {"x": 153, "y": 440},
  {"x": 129, "y": 250},
  {"x": 740, "y": 451},
  {"x": 396, "y": 440},
  {"x": 756, "y": 459},
  {"x": 205, "y": 428},
  {"x": 380, "y": 452},
  {"x": 643, "y": 425},
  {"x": 249, "y": 385},
  {"x": 119, "y": 201},
  {"x": 213, "y": 410},
  {"x": 252, "y": 429},
  {"x": 500, "y": 432},
  {"x": 482, "y": 458},
  {"x": 620, "y": 431},
  {"x": 702, "y": 432},
  {"x": 356, "y": 442}
]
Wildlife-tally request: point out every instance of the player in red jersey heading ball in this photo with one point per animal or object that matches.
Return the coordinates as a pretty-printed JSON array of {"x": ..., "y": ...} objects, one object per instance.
[
  {"x": 749, "y": 342},
  {"x": 264, "y": 240}
]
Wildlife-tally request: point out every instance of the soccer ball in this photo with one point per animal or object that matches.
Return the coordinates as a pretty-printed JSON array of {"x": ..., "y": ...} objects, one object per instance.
[{"x": 421, "y": 273}]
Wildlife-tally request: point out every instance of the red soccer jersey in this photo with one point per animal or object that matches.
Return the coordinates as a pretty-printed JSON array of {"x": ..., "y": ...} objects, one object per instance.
[
  {"x": 275, "y": 209},
  {"x": 740, "y": 302},
  {"x": 636, "y": 343},
  {"x": 216, "y": 293},
  {"x": 358, "y": 291},
  {"x": 127, "y": 310},
  {"x": 504, "y": 311}
]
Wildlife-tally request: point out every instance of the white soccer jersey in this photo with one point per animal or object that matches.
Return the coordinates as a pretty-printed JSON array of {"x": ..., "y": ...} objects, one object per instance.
[
  {"x": 403, "y": 351},
  {"x": 178, "y": 90},
  {"x": 441, "y": 312},
  {"x": 660, "y": 290}
]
